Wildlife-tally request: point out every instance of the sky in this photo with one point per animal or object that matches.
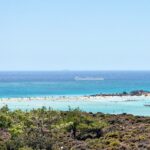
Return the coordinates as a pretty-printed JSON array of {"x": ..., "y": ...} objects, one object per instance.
[{"x": 74, "y": 35}]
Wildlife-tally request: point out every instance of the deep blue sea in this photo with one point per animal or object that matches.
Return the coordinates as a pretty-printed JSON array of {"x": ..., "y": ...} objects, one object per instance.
[{"x": 25, "y": 84}]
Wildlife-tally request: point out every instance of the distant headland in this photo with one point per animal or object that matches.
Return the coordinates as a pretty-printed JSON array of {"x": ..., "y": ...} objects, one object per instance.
[{"x": 132, "y": 93}]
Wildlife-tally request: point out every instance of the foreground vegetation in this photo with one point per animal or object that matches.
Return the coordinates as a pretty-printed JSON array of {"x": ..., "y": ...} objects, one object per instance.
[{"x": 44, "y": 129}]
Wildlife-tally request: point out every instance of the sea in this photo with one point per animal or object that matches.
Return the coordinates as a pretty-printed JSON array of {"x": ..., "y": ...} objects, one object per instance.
[{"x": 63, "y": 83}]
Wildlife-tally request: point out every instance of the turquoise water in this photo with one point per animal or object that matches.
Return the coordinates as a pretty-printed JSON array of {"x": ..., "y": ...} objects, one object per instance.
[
  {"x": 112, "y": 107},
  {"x": 34, "y": 84}
]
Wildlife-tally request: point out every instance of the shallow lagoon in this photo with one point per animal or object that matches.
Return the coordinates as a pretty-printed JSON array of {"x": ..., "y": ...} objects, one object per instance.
[{"x": 133, "y": 106}]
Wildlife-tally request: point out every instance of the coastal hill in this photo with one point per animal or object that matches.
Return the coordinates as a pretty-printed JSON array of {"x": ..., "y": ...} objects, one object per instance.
[{"x": 44, "y": 129}]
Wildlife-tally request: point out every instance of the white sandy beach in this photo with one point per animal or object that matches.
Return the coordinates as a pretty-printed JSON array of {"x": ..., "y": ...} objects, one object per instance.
[
  {"x": 137, "y": 105},
  {"x": 78, "y": 98}
]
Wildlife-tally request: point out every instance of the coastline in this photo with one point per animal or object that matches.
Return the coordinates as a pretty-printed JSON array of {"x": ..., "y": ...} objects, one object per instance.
[
  {"x": 138, "y": 105},
  {"x": 78, "y": 98},
  {"x": 132, "y": 96}
]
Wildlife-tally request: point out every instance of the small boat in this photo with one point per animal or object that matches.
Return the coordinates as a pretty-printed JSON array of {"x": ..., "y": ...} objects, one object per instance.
[
  {"x": 147, "y": 105},
  {"x": 88, "y": 78}
]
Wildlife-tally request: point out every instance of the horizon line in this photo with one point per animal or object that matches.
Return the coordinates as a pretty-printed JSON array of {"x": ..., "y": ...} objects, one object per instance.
[{"x": 65, "y": 70}]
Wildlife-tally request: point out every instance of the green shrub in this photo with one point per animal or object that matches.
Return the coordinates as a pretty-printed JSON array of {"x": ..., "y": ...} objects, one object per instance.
[{"x": 5, "y": 120}]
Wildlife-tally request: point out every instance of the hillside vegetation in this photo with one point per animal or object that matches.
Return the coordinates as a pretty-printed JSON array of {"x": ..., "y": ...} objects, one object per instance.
[{"x": 44, "y": 129}]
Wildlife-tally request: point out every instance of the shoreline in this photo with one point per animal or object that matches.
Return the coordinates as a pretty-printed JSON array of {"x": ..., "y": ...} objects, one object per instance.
[
  {"x": 80, "y": 98},
  {"x": 138, "y": 105},
  {"x": 132, "y": 94}
]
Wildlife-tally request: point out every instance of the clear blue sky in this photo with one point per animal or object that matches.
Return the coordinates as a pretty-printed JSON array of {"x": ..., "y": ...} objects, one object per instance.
[{"x": 75, "y": 35}]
